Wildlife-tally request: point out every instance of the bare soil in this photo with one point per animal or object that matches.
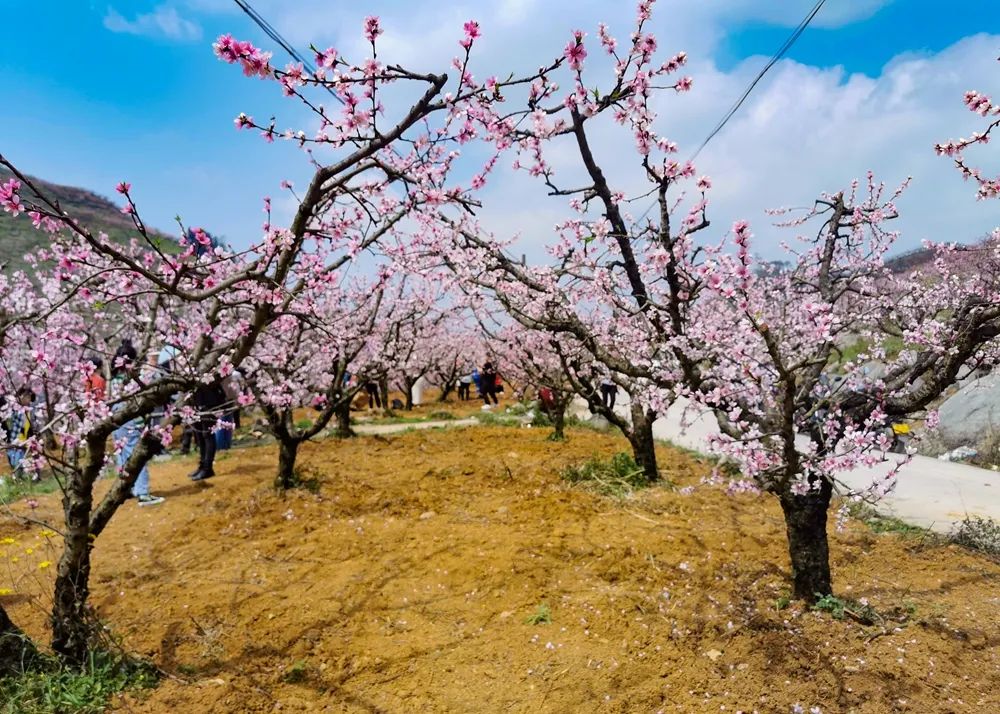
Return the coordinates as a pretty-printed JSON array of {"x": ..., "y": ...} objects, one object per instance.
[{"x": 453, "y": 571}]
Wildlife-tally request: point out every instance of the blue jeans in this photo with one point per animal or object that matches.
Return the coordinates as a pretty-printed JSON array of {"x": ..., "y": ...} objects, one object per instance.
[
  {"x": 131, "y": 435},
  {"x": 14, "y": 457}
]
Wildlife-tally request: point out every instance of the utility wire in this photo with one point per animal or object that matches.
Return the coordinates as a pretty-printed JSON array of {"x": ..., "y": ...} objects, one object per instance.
[
  {"x": 269, "y": 30},
  {"x": 760, "y": 75},
  {"x": 787, "y": 45}
]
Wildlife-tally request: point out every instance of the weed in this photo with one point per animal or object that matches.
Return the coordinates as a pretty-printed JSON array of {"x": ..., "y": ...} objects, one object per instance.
[
  {"x": 441, "y": 416},
  {"x": 978, "y": 534},
  {"x": 541, "y": 616},
  {"x": 879, "y": 523},
  {"x": 618, "y": 476},
  {"x": 519, "y": 409},
  {"x": 782, "y": 602},
  {"x": 492, "y": 419},
  {"x": 858, "y": 610},
  {"x": 308, "y": 478},
  {"x": 297, "y": 672},
  {"x": 56, "y": 689},
  {"x": 12, "y": 489},
  {"x": 304, "y": 424}
]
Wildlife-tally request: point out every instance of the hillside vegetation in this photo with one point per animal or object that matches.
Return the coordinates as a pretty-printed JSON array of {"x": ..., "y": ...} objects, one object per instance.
[{"x": 18, "y": 237}]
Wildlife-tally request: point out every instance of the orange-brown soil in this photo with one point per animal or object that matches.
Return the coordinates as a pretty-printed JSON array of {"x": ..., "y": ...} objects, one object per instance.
[{"x": 407, "y": 584}]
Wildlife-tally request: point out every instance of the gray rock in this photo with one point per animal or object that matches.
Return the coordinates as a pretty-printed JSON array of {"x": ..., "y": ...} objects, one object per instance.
[
  {"x": 972, "y": 412},
  {"x": 598, "y": 422}
]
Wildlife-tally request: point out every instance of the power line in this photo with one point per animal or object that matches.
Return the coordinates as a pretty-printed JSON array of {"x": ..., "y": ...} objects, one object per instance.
[
  {"x": 269, "y": 30},
  {"x": 787, "y": 45},
  {"x": 760, "y": 75}
]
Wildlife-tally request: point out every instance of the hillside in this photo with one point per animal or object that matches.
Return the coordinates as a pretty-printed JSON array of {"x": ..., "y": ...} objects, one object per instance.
[{"x": 18, "y": 237}]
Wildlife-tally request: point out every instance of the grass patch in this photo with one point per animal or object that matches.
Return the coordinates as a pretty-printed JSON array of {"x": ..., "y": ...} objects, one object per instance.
[
  {"x": 441, "y": 416},
  {"x": 541, "y": 616},
  {"x": 304, "y": 424},
  {"x": 12, "y": 489},
  {"x": 880, "y": 524},
  {"x": 296, "y": 673},
  {"x": 494, "y": 419},
  {"x": 308, "y": 478},
  {"x": 618, "y": 476},
  {"x": 56, "y": 689}
]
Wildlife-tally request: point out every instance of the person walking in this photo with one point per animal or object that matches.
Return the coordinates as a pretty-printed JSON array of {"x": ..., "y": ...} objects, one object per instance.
[
  {"x": 208, "y": 400},
  {"x": 477, "y": 379},
  {"x": 488, "y": 381},
  {"x": 127, "y": 436}
]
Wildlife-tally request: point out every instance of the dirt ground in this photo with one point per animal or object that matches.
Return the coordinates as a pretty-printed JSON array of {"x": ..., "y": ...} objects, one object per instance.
[{"x": 408, "y": 582}]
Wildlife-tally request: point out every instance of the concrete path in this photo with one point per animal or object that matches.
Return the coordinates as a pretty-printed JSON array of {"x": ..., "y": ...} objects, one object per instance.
[
  {"x": 382, "y": 429},
  {"x": 929, "y": 493}
]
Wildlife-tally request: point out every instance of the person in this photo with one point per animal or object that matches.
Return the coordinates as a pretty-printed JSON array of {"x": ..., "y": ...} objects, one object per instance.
[
  {"x": 546, "y": 400},
  {"x": 477, "y": 379},
  {"x": 224, "y": 435},
  {"x": 374, "y": 398},
  {"x": 609, "y": 391},
  {"x": 488, "y": 380},
  {"x": 464, "y": 386},
  {"x": 126, "y": 354},
  {"x": 208, "y": 399},
  {"x": 19, "y": 429},
  {"x": 94, "y": 383},
  {"x": 127, "y": 436}
]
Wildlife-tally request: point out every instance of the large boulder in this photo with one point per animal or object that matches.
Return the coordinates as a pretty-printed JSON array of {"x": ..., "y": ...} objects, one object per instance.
[{"x": 972, "y": 412}]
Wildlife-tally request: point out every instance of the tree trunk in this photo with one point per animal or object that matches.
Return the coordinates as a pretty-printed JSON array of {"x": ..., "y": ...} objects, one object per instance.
[
  {"x": 71, "y": 630},
  {"x": 446, "y": 390},
  {"x": 288, "y": 450},
  {"x": 558, "y": 416},
  {"x": 344, "y": 430},
  {"x": 409, "y": 393},
  {"x": 805, "y": 523},
  {"x": 641, "y": 440},
  {"x": 383, "y": 388},
  {"x": 17, "y": 651}
]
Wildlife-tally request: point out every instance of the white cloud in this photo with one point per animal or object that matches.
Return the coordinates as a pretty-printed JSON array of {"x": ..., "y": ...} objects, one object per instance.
[
  {"x": 163, "y": 21},
  {"x": 803, "y": 131}
]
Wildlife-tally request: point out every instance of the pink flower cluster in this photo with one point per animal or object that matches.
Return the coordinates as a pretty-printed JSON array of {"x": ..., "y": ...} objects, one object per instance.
[
  {"x": 9, "y": 198},
  {"x": 255, "y": 62}
]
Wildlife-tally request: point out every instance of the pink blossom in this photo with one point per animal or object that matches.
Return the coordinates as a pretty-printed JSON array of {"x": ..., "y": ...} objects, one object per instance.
[
  {"x": 123, "y": 187},
  {"x": 575, "y": 52},
  {"x": 372, "y": 28}
]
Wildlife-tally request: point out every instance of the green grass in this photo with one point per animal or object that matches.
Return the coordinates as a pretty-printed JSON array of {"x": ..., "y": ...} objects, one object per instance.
[
  {"x": 618, "y": 476},
  {"x": 541, "y": 616},
  {"x": 881, "y": 524},
  {"x": 16, "y": 489},
  {"x": 56, "y": 689}
]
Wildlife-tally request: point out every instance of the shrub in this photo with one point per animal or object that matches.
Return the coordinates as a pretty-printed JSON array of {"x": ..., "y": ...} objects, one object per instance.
[{"x": 979, "y": 534}]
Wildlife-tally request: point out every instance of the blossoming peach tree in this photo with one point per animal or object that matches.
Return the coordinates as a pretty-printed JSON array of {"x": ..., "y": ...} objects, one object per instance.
[
  {"x": 374, "y": 167},
  {"x": 761, "y": 348}
]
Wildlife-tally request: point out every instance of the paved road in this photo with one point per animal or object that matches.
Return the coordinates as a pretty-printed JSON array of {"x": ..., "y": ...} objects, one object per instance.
[{"x": 929, "y": 493}]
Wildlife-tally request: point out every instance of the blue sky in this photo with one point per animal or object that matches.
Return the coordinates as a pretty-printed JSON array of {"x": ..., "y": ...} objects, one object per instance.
[{"x": 129, "y": 89}]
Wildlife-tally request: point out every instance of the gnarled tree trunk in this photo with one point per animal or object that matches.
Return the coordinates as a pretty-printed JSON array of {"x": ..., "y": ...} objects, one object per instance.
[
  {"x": 640, "y": 438},
  {"x": 344, "y": 430},
  {"x": 288, "y": 450},
  {"x": 558, "y": 415},
  {"x": 805, "y": 523},
  {"x": 71, "y": 628}
]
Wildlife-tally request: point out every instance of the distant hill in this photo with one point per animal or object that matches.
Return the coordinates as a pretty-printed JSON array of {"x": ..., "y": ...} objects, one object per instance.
[
  {"x": 920, "y": 257},
  {"x": 18, "y": 237}
]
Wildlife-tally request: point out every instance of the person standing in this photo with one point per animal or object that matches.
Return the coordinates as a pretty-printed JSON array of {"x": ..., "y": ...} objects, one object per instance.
[
  {"x": 609, "y": 391},
  {"x": 94, "y": 383},
  {"x": 464, "y": 386},
  {"x": 127, "y": 436},
  {"x": 374, "y": 398},
  {"x": 488, "y": 383},
  {"x": 19, "y": 429},
  {"x": 208, "y": 400}
]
